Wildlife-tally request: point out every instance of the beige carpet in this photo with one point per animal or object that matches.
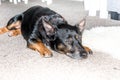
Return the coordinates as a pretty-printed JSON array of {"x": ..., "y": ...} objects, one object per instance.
[{"x": 20, "y": 63}]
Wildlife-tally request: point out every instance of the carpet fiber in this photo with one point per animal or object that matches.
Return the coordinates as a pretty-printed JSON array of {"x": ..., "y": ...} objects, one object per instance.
[
  {"x": 20, "y": 63},
  {"x": 104, "y": 39}
]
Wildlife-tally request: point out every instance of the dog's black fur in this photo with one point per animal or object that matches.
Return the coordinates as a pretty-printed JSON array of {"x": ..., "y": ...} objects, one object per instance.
[
  {"x": 40, "y": 24},
  {"x": 14, "y": 19}
]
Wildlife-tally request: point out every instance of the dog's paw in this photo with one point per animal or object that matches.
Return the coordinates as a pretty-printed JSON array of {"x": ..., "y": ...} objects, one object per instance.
[
  {"x": 88, "y": 50},
  {"x": 46, "y": 53},
  {"x": 40, "y": 47}
]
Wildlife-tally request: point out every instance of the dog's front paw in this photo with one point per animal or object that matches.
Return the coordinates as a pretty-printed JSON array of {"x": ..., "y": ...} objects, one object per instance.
[
  {"x": 46, "y": 53},
  {"x": 88, "y": 50},
  {"x": 39, "y": 46}
]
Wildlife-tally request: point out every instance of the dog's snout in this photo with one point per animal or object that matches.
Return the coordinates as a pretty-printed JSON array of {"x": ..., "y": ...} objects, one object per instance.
[
  {"x": 77, "y": 54},
  {"x": 84, "y": 55}
]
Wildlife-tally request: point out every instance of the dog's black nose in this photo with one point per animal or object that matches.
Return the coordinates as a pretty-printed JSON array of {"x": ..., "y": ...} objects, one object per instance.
[
  {"x": 78, "y": 55},
  {"x": 72, "y": 51},
  {"x": 84, "y": 55}
]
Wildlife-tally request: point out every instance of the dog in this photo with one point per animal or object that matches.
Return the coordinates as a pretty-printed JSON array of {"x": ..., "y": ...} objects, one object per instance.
[{"x": 42, "y": 27}]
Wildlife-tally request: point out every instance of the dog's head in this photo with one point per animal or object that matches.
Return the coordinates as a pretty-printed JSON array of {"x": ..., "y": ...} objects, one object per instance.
[{"x": 66, "y": 39}]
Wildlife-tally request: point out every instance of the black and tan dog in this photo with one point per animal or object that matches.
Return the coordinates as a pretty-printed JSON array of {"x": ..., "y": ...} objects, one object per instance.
[{"x": 43, "y": 27}]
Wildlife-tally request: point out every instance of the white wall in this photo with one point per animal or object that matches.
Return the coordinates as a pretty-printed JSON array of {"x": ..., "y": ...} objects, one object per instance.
[
  {"x": 94, "y": 5},
  {"x": 114, "y": 5}
]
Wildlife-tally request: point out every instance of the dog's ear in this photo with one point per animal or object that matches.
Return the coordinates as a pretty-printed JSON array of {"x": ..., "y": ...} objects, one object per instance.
[
  {"x": 48, "y": 27},
  {"x": 81, "y": 25}
]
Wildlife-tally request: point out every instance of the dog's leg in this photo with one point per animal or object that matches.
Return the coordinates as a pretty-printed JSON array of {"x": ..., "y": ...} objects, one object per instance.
[
  {"x": 13, "y": 29},
  {"x": 14, "y": 32},
  {"x": 41, "y": 48},
  {"x": 14, "y": 24},
  {"x": 3, "y": 30},
  {"x": 88, "y": 50}
]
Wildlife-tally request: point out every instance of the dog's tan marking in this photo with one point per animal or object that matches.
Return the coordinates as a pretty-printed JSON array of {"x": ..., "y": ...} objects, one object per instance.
[
  {"x": 88, "y": 50},
  {"x": 3, "y": 30},
  {"x": 15, "y": 24},
  {"x": 15, "y": 32},
  {"x": 40, "y": 47}
]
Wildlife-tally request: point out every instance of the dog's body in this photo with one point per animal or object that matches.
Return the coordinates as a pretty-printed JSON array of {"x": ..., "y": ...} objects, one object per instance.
[{"x": 42, "y": 26}]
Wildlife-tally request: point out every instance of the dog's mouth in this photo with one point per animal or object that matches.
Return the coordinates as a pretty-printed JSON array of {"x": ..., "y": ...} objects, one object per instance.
[
  {"x": 77, "y": 55},
  {"x": 73, "y": 52}
]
